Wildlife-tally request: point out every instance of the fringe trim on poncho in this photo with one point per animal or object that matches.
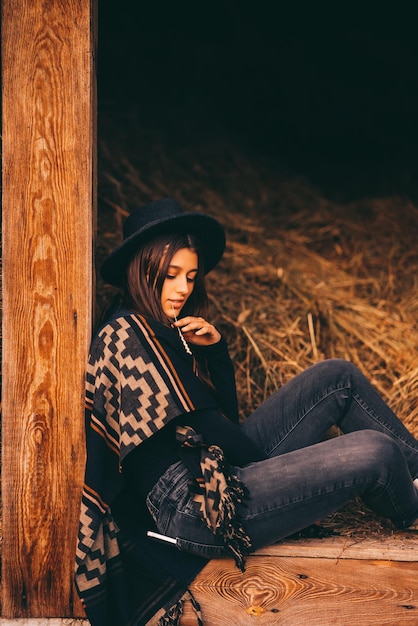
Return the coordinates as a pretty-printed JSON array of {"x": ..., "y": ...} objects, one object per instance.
[
  {"x": 173, "y": 615},
  {"x": 216, "y": 494}
]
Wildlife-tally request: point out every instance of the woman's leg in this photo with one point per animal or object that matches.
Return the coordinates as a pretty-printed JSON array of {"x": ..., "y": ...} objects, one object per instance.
[
  {"x": 305, "y": 479},
  {"x": 332, "y": 392},
  {"x": 290, "y": 491}
]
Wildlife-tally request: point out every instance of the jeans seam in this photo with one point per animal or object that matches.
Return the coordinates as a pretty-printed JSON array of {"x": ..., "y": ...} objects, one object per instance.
[
  {"x": 365, "y": 407},
  {"x": 306, "y": 412},
  {"x": 301, "y": 499},
  {"x": 394, "y": 502}
]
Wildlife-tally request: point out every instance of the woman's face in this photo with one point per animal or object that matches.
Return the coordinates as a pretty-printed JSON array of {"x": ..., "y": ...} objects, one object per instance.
[{"x": 179, "y": 282}]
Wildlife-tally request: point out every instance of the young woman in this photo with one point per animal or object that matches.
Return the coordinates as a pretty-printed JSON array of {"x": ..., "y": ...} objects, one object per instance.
[{"x": 172, "y": 479}]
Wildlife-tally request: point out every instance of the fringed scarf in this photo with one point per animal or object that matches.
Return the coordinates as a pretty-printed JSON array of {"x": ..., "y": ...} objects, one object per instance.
[
  {"x": 173, "y": 615},
  {"x": 217, "y": 492}
]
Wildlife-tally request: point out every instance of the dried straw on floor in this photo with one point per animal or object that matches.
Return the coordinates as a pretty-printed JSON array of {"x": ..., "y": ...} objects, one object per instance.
[{"x": 302, "y": 279}]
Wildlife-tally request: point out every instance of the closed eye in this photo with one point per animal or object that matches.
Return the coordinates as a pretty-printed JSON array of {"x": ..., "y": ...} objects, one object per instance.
[{"x": 190, "y": 279}]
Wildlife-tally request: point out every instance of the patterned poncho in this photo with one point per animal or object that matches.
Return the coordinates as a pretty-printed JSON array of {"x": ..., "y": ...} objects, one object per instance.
[{"x": 139, "y": 378}]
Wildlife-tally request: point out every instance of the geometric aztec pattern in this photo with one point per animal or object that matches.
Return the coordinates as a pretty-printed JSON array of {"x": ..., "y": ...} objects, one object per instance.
[
  {"x": 131, "y": 392},
  {"x": 216, "y": 495}
]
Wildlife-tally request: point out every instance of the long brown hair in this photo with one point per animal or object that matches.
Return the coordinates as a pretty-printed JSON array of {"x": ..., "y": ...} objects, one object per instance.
[
  {"x": 147, "y": 271},
  {"x": 144, "y": 280}
]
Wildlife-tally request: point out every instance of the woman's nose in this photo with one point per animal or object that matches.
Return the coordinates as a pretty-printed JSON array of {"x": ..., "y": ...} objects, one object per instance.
[{"x": 182, "y": 284}]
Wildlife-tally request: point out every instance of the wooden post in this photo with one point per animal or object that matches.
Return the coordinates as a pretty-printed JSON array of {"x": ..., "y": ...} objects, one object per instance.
[{"x": 48, "y": 200}]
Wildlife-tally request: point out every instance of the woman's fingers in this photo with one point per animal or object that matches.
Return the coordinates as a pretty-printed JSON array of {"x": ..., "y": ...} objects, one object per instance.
[{"x": 195, "y": 328}]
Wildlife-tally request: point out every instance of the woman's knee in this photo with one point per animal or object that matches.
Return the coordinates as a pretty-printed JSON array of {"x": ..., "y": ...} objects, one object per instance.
[
  {"x": 337, "y": 368},
  {"x": 334, "y": 374},
  {"x": 378, "y": 448}
]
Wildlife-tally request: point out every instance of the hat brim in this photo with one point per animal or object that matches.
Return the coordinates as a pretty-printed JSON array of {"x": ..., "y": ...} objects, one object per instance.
[{"x": 207, "y": 229}]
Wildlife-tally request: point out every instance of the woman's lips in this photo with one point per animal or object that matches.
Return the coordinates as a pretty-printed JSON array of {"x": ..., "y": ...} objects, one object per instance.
[{"x": 177, "y": 304}]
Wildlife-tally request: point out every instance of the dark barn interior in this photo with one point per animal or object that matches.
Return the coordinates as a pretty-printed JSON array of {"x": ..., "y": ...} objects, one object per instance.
[
  {"x": 296, "y": 126},
  {"x": 329, "y": 93}
]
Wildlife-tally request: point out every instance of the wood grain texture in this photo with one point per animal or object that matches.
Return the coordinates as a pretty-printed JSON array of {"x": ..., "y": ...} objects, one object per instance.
[
  {"x": 48, "y": 200},
  {"x": 320, "y": 582},
  {"x": 289, "y": 591},
  {"x": 402, "y": 547}
]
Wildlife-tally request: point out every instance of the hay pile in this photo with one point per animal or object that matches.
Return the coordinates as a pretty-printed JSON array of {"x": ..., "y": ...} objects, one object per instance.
[{"x": 303, "y": 278}]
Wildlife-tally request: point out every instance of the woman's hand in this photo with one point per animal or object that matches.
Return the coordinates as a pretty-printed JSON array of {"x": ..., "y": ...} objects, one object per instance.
[{"x": 198, "y": 331}]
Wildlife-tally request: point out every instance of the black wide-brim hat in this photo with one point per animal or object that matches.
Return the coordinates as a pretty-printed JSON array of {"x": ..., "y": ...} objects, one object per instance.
[{"x": 158, "y": 217}]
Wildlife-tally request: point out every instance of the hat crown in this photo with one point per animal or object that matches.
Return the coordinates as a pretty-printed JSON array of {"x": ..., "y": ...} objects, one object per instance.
[
  {"x": 163, "y": 209},
  {"x": 162, "y": 217}
]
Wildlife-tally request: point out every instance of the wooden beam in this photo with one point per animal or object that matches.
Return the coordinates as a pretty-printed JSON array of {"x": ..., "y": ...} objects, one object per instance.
[
  {"x": 48, "y": 215},
  {"x": 315, "y": 582}
]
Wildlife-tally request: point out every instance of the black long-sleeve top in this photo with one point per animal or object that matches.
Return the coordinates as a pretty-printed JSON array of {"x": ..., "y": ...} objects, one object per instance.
[{"x": 144, "y": 465}]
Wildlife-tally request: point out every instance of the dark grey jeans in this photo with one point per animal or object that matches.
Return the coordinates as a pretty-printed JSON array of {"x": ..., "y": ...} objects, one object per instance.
[{"x": 303, "y": 477}]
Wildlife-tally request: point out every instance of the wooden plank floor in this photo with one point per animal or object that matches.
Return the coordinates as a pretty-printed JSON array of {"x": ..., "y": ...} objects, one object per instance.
[{"x": 320, "y": 582}]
